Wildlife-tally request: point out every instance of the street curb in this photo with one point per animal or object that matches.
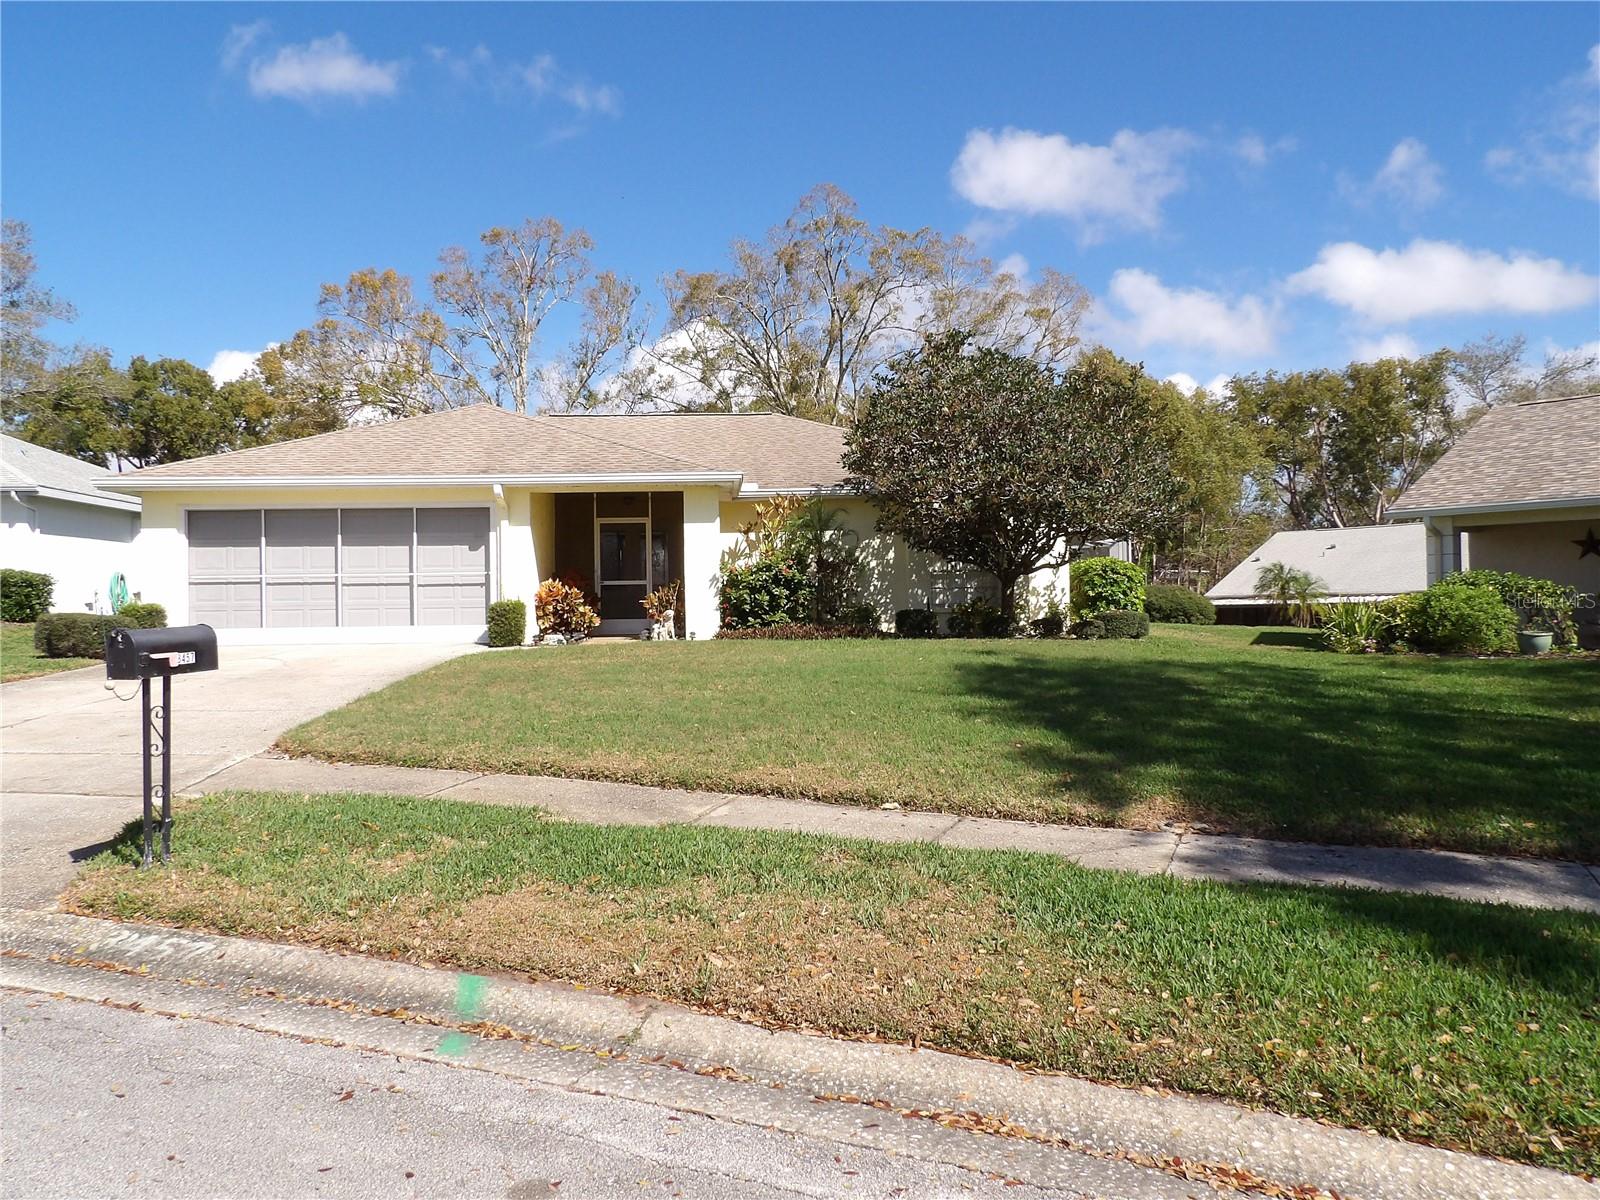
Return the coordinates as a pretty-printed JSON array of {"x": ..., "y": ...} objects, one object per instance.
[{"x": 1285, "y": 1150}]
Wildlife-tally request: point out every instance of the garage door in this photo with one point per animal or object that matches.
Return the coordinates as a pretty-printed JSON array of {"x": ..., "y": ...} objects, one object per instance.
[{"x": 312, "y": 568}]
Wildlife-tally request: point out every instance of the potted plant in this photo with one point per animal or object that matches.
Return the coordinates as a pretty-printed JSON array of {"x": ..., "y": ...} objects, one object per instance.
[{"x": 1535, "y": 626}]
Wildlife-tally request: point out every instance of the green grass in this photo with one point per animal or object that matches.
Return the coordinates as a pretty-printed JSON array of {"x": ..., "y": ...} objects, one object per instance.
[
  {"x": 19, "y": 660},
  {"x": 1248, "y": 730},
  {"x": 1473, "y": 1026}
]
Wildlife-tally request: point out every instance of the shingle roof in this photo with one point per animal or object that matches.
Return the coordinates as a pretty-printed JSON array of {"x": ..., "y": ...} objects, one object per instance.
[
  {"x": 1361, "y": 561},
  {"x": 25, "y": 467},
  {"x": 1543, "y": 451},
  {"x": 769, "y": 451}
]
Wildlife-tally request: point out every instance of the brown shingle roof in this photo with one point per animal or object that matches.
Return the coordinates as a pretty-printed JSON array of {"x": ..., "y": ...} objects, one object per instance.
[
  {"x": 1543, "y": 451},
  {"x": 484, "y": 441}
]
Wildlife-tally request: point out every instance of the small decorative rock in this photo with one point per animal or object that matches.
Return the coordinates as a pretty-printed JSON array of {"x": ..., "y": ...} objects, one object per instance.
[{"x": 555, "y": 639}]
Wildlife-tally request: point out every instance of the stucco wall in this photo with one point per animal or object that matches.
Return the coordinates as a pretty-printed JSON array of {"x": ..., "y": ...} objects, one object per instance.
[
  {"x": 1545, "y": 550},
  {"x": 79, "y": 545}
]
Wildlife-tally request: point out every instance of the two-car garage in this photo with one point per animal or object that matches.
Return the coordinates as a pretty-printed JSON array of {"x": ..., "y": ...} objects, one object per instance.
[{"x": 307, "y": 568}]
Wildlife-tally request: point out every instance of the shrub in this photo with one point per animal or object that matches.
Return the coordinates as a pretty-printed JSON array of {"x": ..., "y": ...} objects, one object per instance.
[
  {"x": 72, "y": 635},
  {"x": 1172, "y": 605},
  {"x": 1124, "y": 623},
  {"x": 562, "y": 608},
  {"x": 1101, "y": 584},
  {"x": 916, "y": 623},
  {"x": 798, "y": 632},
  {"x": 1089, "y": 629},
  {"x": 1052, "y": 624},
  {"x": 1458, "y": 618},
  {"x": 773, "y": 590},
  {"x": 1540, "y": 604},
  {"x": 977, "y": 618},
  {"x": 1353, "y": 627},
  {"x": 508, "y": 623},
  {"x": 24, "y": 595},
  {"x": 860, "y": 614},
  {"x": 141, "y": 616},
  {"x": 1397, "y": 617}
]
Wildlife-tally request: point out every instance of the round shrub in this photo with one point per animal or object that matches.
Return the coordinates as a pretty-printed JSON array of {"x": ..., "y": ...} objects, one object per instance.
[
  {"x": 1090, "y": 629},
  {"x": 916, "y": 623},
  {"x": 977, "y": 618},
  {"x": 141, "y": 616},
  {"x": 24, "y": 595},
  {"x": 1051, "y": 625},
  {"x": 508, "y": 623},
  {"x": 773, "y": 590},
  {"x": 1539, "y": 604},
  {"x": 1168, "y": 604},
  {"x": 1101, "y": 584},
  {"x": 1124, "y": 623},
  {"x": 1457, "y": 618}
]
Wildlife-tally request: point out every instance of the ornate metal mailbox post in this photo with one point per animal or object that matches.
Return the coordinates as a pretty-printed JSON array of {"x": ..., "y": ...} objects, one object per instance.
[{"x": 145, "y": 654}]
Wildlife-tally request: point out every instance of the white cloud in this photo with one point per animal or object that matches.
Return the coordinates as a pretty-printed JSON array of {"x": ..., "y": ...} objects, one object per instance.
[
  {"x": 1217, "y": 385},
  {"x": 228, "y": 365},
  {"x": 1430, "y": 278},
  {"x": 1120, "y": 184},
  {"x": 1388, "y": 345},
  {"x": 1014, "y": 265},
  {"x": 321, "y": 68},
  {"x": 1151, "y": 313},
  {"x": 1409, "y": 178},
  {"x": 1256, "y": 150},
  {"x": 540, "y": 77},
  {"x": 1562, "y": 145}
]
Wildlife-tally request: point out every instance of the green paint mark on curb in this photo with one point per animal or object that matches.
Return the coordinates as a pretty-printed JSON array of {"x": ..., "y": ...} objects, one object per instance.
[{"x": 469, "y": 998}]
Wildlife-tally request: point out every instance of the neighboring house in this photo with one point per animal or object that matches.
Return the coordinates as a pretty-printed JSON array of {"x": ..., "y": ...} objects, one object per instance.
[
  {"x": 406, "y": 530},
  {"x": 1363, "y": 562},
  {"x": 57, "y": 520},
  {"x": 1519, "y": 492}
]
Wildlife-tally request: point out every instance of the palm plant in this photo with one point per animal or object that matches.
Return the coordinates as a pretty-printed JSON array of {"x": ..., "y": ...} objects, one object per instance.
[
  {"x": 828, "y": 546},
  {"x": 1294, "y": 591}
]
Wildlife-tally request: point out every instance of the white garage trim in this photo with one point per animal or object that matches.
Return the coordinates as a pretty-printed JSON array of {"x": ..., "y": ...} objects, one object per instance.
[{"x": 255, "y": 581}]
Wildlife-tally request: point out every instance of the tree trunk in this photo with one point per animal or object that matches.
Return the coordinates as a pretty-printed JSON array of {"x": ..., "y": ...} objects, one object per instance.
[{"x": 1008, "y": 600}]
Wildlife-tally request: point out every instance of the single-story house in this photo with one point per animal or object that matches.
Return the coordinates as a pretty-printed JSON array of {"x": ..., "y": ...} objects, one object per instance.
[
  {"x": 1519, "y": 492},
  {"x": 1362, "y": 562},
  {"x": 407, "y": 530},
  {"x": 55, "y": 518}
]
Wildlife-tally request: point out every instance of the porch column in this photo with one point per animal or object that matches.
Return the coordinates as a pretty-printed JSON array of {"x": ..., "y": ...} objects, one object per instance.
[
  {"x": 519, "y": 563},
  {"x": 1444, "y": 547},
  {"x": 702, "y": 555}
]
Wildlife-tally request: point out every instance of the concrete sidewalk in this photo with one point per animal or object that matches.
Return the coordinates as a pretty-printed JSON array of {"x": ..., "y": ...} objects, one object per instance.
[{"x": 1533, "y": 883}]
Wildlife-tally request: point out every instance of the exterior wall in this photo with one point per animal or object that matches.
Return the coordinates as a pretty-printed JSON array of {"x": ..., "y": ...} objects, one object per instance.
[
  {"x": 160, "y": 570},
  {"x": 1544, "y": 550},
  {"x": 78, "y": 545},
  {"x": 893, "y": 576}
]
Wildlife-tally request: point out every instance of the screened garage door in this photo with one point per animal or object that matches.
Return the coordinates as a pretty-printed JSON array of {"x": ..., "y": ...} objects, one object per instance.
[{"x": 289, "y": 568}]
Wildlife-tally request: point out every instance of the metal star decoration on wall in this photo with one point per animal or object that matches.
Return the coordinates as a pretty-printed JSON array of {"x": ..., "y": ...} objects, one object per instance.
[{"x": 1588, "y": 544}]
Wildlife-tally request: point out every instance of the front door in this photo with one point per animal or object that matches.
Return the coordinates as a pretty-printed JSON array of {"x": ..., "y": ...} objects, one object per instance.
[{"x": 623, "y": 573}]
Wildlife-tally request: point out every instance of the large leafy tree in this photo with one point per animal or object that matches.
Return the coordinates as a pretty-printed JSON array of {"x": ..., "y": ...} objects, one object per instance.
[
  {"x": 799, "y": 322},
  {"x": 1495, "y": 370},
  {"x": 1339, "y": 447},
  {"x": 1003, "y": 462}
]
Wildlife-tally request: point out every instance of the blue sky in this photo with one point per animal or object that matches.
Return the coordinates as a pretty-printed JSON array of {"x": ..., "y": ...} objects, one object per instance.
[{"x": 1241, "y": 187}]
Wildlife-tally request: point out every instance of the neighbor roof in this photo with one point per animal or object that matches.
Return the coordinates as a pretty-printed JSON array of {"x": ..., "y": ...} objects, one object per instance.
[
  {"x": 25, "y": 467},
  {"x": 757, "y": 452},
  {"x": 1540, "y": 454},
  {"x": 1361, "y": 562}
]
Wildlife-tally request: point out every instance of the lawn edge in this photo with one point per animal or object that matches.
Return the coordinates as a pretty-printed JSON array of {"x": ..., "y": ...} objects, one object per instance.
[{"x": 1102, "y": 1117}]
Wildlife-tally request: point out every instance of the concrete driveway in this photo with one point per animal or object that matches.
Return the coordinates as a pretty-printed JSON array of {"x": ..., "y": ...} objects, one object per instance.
[{"x": 70, "y": 749}]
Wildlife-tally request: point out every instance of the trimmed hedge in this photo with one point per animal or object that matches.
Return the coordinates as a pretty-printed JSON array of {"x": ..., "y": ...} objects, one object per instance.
[
  {"x": 24, "y": 595},
  {"x": 141, "y": 616},
  {"x": 1124, "y": 623},
  {"x": 1459, "y": 618},
  {"x": 1169, "y": 604},
  {"x": 1538, "y": 603},
  {"x": 977, "y": 618},
  {"x": 776, "y": 590},
  {"x": 916, "y": 623},
  {"x": 796, "y": 632},
  {"x": 1089, "y": 629},
  {"x": 508, "y": 622},
  {"x": 83, "y": 635},
  {"x": 1102, "y": 584},
  {"x": 1051, "y": 625}
]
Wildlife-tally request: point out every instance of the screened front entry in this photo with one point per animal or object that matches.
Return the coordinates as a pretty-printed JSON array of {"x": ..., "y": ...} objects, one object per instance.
[{"x": 305, "y": 568}]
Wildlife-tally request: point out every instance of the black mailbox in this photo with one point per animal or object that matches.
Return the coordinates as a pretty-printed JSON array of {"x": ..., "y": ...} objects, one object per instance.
[{"x": 152, "y": 653}]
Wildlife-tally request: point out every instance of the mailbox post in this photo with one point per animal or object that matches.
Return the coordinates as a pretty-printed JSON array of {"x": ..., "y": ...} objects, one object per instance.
[{"x": 146, "y": 654}]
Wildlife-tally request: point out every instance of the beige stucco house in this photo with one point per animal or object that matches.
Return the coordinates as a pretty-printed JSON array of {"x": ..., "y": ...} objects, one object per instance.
[
  {"x": 405, "y": 531},
  {"x": 1519, "y": 492}
]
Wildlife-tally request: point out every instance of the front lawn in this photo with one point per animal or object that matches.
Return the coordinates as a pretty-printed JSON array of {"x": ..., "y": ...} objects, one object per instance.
[
  {"x": 1246, "y": 730},
  {"x": 1467, "y": 1025},
  {"x": 19, "y": 660}
]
